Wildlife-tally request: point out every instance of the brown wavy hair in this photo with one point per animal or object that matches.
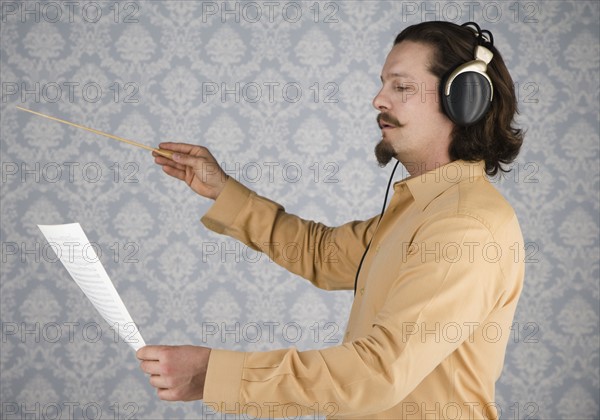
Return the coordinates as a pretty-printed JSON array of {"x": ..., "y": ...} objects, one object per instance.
[{"x": 494, "y": 139}]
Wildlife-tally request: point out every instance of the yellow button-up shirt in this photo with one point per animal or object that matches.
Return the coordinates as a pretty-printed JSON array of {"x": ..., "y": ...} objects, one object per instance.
[{"x": 432, "y": 314}]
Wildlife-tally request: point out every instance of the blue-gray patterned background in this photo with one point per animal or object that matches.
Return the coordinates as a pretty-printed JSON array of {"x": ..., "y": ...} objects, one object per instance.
[{"x": 281, "y": 93}]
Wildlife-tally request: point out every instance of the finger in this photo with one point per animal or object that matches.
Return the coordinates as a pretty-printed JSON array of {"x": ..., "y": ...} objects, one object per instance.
[
  {"x": 151, "y": 367},
  {"x": 174, "y": 172},
  {"x": 161, "y": 160},
  {"x": 156, "y": 155},
  {"x": 148, "y": 352},
  {"x": 184, "y": 148},
  {"x": 194, "y": 161}
]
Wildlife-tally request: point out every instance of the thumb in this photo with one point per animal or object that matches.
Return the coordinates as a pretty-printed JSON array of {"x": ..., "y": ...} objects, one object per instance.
[
  {"x": 197, "y": 163},
  {"x": 185, "y": 159},
  {"x": 177, "y": 157}
]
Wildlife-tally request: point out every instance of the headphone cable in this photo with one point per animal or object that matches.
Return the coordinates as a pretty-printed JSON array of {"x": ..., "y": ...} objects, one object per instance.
[{"x": 378, "y": 220}]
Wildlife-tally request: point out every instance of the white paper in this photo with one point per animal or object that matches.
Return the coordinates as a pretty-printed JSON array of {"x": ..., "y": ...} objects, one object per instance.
[{"x": 81, "y": 261}]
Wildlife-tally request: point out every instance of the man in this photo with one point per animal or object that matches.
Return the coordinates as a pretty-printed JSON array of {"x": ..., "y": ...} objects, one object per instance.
[{"x": 435, "y": 292}]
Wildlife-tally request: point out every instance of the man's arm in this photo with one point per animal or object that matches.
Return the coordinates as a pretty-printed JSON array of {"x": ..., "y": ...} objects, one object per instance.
[
  {"x": 379, "y": 369},
  {"x": 326, "y": 256}
]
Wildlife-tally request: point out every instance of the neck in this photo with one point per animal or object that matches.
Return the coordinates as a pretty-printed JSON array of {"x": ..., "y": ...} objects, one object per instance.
[{"x": 416, "y": 168}]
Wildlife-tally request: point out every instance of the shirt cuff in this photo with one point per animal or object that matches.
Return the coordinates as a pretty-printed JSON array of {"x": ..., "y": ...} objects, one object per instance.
[
  {"x": 227, "y": 206},
  {"x": 223, "y": 381}
]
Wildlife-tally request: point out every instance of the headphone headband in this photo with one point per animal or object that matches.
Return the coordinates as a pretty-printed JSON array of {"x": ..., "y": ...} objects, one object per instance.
[{"x": 479, "y": 33}]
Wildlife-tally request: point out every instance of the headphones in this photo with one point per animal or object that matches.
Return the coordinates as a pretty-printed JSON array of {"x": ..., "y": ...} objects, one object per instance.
[{"x": 467, "y": 91}]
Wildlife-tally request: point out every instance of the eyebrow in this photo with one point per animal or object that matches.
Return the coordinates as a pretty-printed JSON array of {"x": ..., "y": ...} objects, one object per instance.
[{"x": 394, "y": 75}]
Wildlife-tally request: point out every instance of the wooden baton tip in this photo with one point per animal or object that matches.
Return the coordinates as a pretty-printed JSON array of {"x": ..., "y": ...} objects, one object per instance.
[{"x": 162, "y": 152}]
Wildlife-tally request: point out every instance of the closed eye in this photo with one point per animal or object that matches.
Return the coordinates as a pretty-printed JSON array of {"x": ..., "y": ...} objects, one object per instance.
[{"x": 409, "y": 88}]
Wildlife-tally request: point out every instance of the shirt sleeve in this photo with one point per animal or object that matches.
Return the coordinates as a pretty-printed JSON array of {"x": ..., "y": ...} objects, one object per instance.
[
  {"x": 379, "y": 369},
  {"x": 326, "y": 256}
]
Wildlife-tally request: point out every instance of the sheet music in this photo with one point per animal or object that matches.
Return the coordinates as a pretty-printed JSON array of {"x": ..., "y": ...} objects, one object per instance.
[{"x": 72, "y": 246}]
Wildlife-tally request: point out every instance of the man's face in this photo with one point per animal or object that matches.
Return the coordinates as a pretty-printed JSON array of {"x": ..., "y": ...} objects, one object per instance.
[{"x": 414, "y": 129}]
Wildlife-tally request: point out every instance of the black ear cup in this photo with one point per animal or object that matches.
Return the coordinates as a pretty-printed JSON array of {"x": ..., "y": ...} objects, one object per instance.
[
  {"x": 467, "y": 91},
  {"x": 467, "y": 98}
]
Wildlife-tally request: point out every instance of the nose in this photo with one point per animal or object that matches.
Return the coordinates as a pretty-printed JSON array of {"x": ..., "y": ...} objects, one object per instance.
[{"x": 380, "y": 101}]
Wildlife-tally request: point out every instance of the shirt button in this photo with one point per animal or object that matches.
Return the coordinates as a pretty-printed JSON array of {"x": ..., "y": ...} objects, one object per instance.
[{"x": 362, "y": 291}]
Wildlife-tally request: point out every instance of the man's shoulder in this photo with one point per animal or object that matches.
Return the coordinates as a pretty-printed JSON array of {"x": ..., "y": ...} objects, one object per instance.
[{"x": 477, "y": 198}]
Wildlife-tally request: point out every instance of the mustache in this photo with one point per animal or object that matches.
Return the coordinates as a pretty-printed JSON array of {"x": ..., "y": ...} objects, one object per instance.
[{"x": 388, "y": 119}]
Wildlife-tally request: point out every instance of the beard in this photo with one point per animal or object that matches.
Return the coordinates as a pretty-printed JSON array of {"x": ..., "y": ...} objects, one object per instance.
[{"x": 384, "y": 153}]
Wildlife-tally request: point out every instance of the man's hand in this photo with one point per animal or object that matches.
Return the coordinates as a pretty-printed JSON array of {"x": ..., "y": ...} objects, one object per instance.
[
  {"x": 178, "y": 372},
  {"x": 196, "y": 166}
]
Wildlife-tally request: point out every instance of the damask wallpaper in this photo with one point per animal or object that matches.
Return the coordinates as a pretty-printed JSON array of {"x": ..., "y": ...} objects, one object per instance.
[{"x": 281, "y": 94}]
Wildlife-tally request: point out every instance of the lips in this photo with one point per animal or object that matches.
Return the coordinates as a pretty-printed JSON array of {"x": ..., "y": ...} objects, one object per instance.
[{"x": 383, "y": 124}]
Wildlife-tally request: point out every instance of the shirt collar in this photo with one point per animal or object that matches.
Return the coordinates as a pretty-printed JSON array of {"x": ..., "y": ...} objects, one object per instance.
[{"x": 425, "y": 187}]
